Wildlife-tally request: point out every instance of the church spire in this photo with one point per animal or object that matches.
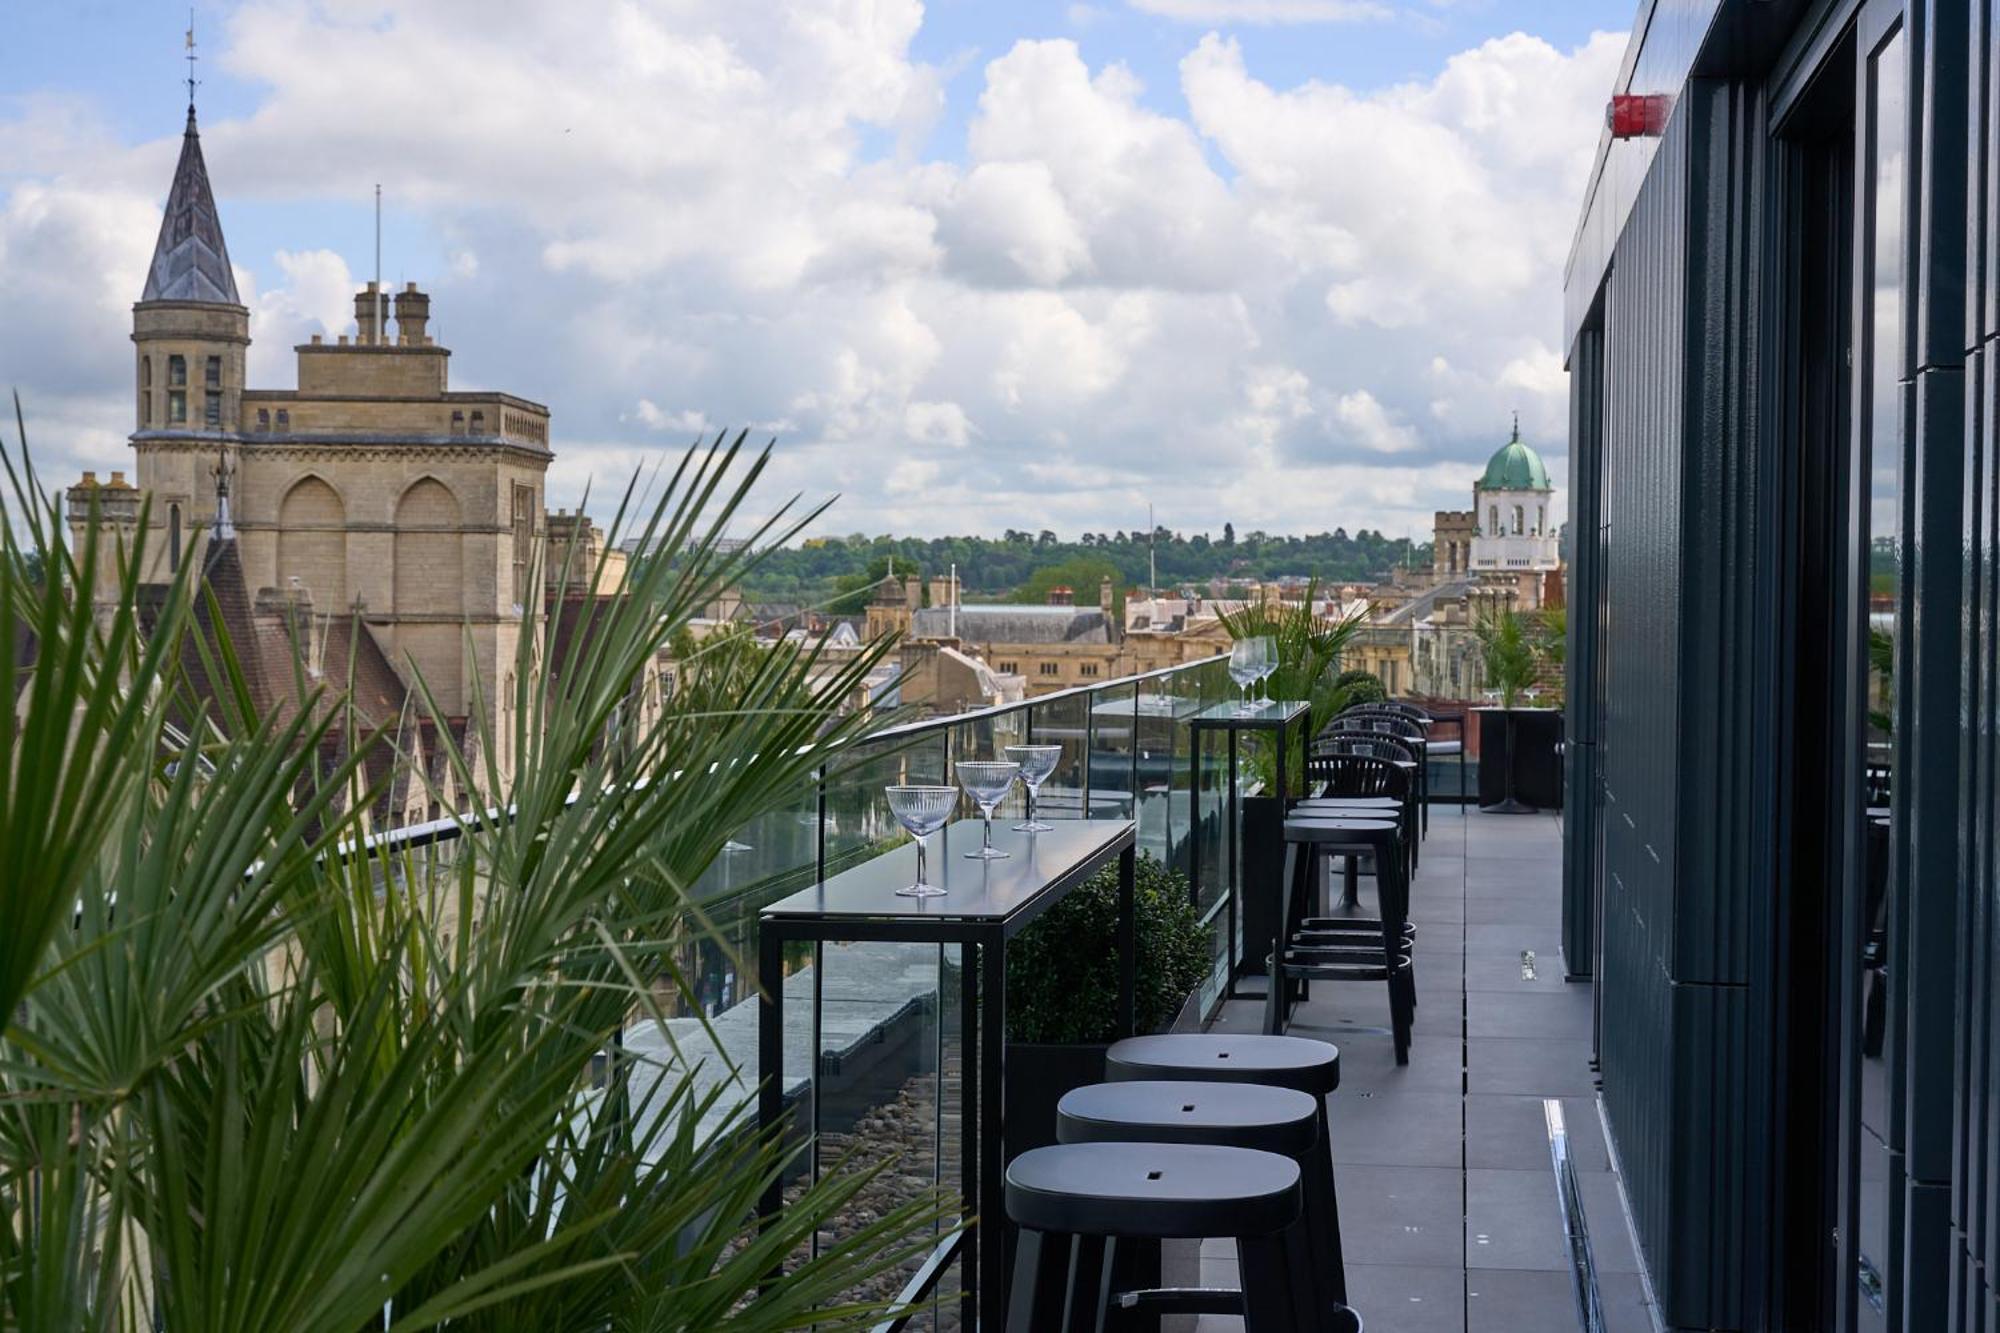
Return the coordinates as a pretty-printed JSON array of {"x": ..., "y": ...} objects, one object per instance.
[{"x": 190, "y": 261}]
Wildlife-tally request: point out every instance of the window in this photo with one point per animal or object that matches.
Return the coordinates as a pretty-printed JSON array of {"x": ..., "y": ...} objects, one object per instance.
[
  {"x": 214, "y": 372},
  {"x": 263, "y": 418},
  {"x": 1051, "y": 669},
  {"x": 212, "y": 410},
  {"x": 1088, "y": 670},
  {"x": 1493, "y": 520},
  {"x": 177, "y": 371},
  {"x": 1541, "y": 519},
  {"x": 177, "y": 406},
  {"x": 284, "y": 419},
  {"x": 174, "y": 538},
  {"x": 1010, "y": 668},
  {"x": 1520, "y": 521},
  {"x": 145, "y": 372},
  {"x": 145, "y": 407},
  {"x": 478, "y": 423},
  {"x": 523, "y": 519},
  {"x": 458, "y": 423}
]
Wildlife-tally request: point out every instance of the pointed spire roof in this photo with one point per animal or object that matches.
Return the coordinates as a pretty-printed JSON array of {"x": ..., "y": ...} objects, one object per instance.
[{"x": 190, "y": 262}]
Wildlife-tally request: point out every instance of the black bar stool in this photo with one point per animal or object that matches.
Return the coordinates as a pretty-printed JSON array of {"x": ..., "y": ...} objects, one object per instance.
[
  {"x": 1359, "y": 807},
  {"x": 1301, "y": 1064},
  {"x": 1268, "y": 1118},
  {"x": 1068, "y": 1198},
  {"x": 1349, "y": 807},
  {"x": 1299, "y": 954}
]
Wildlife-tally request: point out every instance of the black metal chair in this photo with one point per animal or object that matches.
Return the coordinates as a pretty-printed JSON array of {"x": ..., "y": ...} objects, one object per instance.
[
  {"x": 1399, "y": 752},
  {"x": 1076, "y": 1203},
  {"x": 1393, "y": 721},
  {"x": 1302, "y": 953},
  {"x": 1266, "y": 1117}
]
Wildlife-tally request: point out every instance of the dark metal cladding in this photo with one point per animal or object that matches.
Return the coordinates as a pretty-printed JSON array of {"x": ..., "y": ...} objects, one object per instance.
[{"x": 190, "y": 261}]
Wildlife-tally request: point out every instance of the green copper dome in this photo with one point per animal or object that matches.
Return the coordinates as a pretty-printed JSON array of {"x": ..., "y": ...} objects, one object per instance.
[{"x": 1515, "y": 467}]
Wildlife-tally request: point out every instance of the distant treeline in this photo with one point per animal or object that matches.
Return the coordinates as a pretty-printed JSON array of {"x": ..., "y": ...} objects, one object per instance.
[{"x": 1024, "y": 565}]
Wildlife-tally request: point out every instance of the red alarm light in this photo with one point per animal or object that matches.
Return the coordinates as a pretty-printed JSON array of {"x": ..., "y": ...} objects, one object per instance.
[{"x": 1638, "y": 115}]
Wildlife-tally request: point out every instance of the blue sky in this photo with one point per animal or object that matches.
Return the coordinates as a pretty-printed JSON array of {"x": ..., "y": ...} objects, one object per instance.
[{"x": 1139, "y": 246}]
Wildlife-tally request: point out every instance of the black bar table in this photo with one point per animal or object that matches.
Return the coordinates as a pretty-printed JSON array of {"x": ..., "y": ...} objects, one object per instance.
[
  {"x": 985, "y": 904},
  {"x": 1278, "y": 716}
]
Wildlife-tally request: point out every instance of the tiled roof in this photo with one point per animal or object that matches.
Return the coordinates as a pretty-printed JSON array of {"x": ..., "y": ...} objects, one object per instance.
[
  {"x": 1014, "y": 624},
  {"x": 190, "y": 261}
]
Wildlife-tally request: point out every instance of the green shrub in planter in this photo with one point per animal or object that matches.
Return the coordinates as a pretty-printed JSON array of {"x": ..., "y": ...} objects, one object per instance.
[{"x": 1062, "y": 972}]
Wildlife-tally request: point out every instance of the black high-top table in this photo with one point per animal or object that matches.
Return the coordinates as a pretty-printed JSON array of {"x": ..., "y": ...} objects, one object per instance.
[
  {"x": 1277, "y": 716},
  {"x": 985, "y": 904}
]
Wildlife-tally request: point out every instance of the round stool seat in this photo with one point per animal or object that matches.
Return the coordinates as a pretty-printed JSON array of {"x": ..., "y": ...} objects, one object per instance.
[
  {"x": 1337, "y": 828},
  {"x": 1150, "y": 1190},
  {"x": 1232, "y": 1115},
  {"x": 1299, "y": 1063},
  {"x": 1347, "y": 803}
]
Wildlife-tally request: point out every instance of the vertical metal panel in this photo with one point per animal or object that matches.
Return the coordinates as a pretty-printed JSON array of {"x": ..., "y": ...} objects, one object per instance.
[{"x": 1581, "y": 806}]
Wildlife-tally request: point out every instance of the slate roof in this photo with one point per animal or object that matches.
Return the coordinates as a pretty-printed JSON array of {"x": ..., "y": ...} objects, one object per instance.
[
  {"x": 1421, "y": 606},
  {"x": 190, "y": 261},
  {"x": 1014, "y": 624}
]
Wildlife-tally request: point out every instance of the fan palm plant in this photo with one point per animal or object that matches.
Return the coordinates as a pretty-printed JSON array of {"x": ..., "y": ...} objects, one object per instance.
[
  {"x": 1309, "y": 648},
  {"x": 260, "y": 1069}
]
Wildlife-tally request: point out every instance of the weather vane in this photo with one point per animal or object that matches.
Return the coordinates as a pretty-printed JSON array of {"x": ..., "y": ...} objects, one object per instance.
[{"x": 190, "y": 58}]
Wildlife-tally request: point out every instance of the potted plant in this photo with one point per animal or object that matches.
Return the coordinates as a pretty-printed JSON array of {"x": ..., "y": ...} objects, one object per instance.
[
  {"x": 1062, "y": 989},
  {"x": 1520, "y": 769}
]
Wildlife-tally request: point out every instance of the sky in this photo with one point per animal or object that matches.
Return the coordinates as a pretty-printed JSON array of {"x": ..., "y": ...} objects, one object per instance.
[{"x": 974, "y": 265}]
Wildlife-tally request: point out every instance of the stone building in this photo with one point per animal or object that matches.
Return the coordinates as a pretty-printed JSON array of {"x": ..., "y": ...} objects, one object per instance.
[{"x": 371, "y": 493}]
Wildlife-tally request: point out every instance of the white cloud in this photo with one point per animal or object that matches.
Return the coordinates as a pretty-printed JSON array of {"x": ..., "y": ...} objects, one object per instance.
[
  {"x": 1291, "y": 307},
  {"x": 1265, "y": 11}
]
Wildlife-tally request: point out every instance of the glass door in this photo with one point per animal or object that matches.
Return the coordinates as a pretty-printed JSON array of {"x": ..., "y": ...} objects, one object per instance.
[{"x": 1872, "y": 1107}]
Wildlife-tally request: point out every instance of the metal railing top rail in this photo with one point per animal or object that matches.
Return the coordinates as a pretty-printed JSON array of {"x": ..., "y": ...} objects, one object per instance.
[{"x": 430, "y": 832}]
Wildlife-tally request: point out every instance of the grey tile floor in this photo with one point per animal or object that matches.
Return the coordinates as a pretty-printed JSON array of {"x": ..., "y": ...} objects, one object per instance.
[{"x": 1448, "y": 1202}]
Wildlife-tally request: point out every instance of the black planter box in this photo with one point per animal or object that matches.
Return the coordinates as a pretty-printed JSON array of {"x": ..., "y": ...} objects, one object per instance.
[
  {"x": 1534, "y": 756},
  {"x": 1260, "y": 892}
]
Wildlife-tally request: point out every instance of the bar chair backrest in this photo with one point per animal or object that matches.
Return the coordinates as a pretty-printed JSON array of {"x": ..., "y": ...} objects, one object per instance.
[
  {"x": 1379, "y": 744},
  {"x": 1347, "y": 774}
]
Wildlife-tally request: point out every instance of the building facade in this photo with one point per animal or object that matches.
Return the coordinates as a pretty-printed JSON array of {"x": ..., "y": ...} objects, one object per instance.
[
  {"x": 1782, "y": 331},
  {"x": 371, "y": 492}
]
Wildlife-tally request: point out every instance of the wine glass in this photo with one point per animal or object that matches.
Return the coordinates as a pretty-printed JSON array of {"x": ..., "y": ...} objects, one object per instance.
[
  {"x": 1037, "y": 762},
  {"x": 922, "y": 811},
  {"x": 986, "y": 781},
  {"x": 1267, "y": 663},
  {"x": 1243, "y": 669}
]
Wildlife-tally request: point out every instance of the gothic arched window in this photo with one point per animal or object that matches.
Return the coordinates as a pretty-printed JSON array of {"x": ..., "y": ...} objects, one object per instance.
[
  {"x": 1520, "y": 521},
  {"x": 1493, "y": 520}
]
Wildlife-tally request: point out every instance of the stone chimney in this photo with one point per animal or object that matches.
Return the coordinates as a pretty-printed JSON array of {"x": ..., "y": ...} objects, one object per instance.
[
  {"x": 413, "y": 311},
  {"x": 940, "y": 590},
  {"x": 1062, "y": 595},
  {"x": 1105, "y": 599},
  {"x": 371, "y": 313}
]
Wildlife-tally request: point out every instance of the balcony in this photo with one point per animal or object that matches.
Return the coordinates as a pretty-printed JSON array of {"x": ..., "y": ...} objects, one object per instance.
[{"x": 1477, "y": 1189}]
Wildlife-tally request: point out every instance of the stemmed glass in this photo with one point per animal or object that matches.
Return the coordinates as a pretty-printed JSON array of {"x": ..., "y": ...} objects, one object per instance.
[
  {"x": 1037, "y": 762},
  {"x": 1246, "y": 658},
  {"x": 922, "y": 811},
  {"x": 986, "y": 782},
  {"x": 1267, "y": 665}
]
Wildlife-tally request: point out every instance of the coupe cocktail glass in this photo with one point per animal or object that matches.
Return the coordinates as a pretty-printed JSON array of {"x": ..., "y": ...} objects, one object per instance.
[
  {"x": 986, "y": 782},
  {"x": 922, "y": 811},
  {"x": 1037, "y": 762}
]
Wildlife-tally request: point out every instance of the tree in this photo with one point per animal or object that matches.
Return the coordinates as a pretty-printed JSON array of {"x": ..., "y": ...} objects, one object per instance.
[
  {"x": 1229, "y": 534},
  {"x": 1082, "y": 574},
  {"x": 853, "y": 592}
]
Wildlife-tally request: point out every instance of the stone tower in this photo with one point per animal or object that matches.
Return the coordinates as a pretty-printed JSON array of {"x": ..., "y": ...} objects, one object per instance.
[
  {"x": 1517, "y": 534},
  {"x": 372, "y": 492},
  {"x": 190, "y": 333}
]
